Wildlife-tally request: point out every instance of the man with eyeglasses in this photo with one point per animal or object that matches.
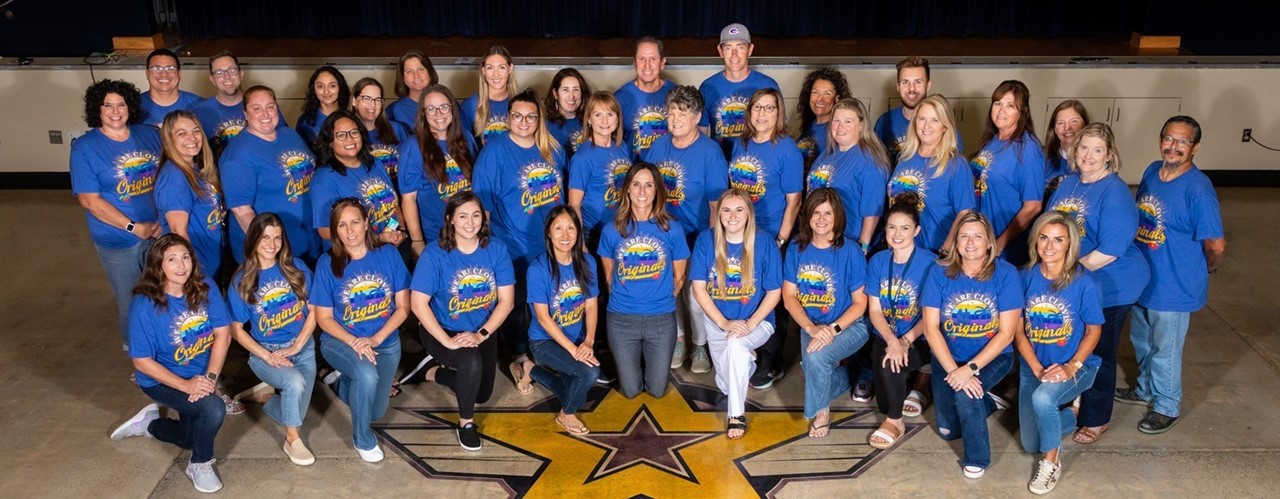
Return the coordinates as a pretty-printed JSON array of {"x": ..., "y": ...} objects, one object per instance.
[
  {"x": 222, "y": 115},
  {"x": 643, "y": 100},
  {"x": 164, "y": 72},
  {"x": 726, "y": 93},
  {"x": 1180, "y": 235}
]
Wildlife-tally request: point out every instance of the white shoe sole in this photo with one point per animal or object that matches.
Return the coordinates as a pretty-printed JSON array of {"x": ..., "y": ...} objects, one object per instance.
[
  {"x": 974, "y": 474},
  {"x": 374, "y": 455},
  {"x": 119, "y": 432}
]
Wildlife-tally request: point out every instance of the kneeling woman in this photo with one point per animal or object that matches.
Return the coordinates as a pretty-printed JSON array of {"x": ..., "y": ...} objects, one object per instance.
[
  {"x": 178, "y": 338},
  {"x": 361, "y": 297},
  {"x": 1063, "y": 324},
  {"x": 737, "y": 277},
  {"x": 972, "y": 304},
  {"x": 823, "y": 293},
  {"x": 273, "y": 320},
  {"x": 463, "y": 288},
  {"x": 562, "y": 296}
]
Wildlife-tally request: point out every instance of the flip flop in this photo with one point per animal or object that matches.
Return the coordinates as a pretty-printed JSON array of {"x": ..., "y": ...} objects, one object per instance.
[
  {"x": 888, "y": 438},
  {"x": 914, "y": 404},
  {"x": 1087, "y": 435},
  {"x": 517, "y": 375},
  {"x": 578, "y": 430},
  {"x": 813, "y": 428}
]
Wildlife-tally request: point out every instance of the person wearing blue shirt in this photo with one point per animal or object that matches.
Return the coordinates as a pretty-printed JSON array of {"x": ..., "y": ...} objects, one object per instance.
[
  {"x": 164, "y": 73},
  {"x": 327, "y": 92},
  {"x": 361, "y": 297},
  {"x": 435, "y": 165},
  {"x": 414, "y": 73},
  {"x": 565, "y": 109},
  {"x": 484, "y": 115},
  {"x": 1063, "y": 321},
  {"x": 113, "y": 173},
  {"x": 273, "y": 319},
  {"x": 269, "y": 169},
  {"x": 1008, "y": 169},
  {"x": 349, "y": 170},
  {"x": 644, "y": 254},
  {"x": 1100, "y": 204},
  {"x": 895, "y": 278},
  {"x": 383, "y": 136},
  {"x": 972, "y": 306},
  {"x": 222, "y": 115},
  {"x": 736, "y": 276},
  {"x": 818, "y": 96},
  {"x": 462, "y": 291},
  {"x": 856, "y": 165},
  {"x": 643, "y": 100},
  {"x": 596, "y": 171},
  {"x": 1065, "y": 123},
  {"x": 188, "y": 190},
  {"x": 562, "y": 299},
  {"x": 178, "y": 339},
  {"x": 931, "y": 166},
  {"x": 726, "y": 92},
  {"x": 767, "y": 165},
  {"x": 913, "y": 85},
  {"x": 1180, "y": 235}
]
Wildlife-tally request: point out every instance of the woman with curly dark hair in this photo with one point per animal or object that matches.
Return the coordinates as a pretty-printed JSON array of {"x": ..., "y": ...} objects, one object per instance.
[
  {"x": 821, "y": 91},
  {"x": 326, "y": 92}
]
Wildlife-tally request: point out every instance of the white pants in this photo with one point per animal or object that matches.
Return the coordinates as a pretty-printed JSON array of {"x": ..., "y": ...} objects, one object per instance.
[
  {"x": 735, "y": 361},
  {"x": 688, "y": 311}
]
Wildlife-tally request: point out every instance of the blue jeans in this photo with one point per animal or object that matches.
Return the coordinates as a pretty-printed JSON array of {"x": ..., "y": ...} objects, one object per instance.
[
  {"x": 567, "y": 378},
  {"x": 824, "y": 378},
  {"x": 123, "y": 267},
  {"x": 1044, "y": 409},
  {"x": 1158, "y": 338},
  {"x": 198, "y": 424},
  {"x": 289, "y": 407},
  {"x": 647, "y": 338},
  {"x": 961, "y": 416},
  {"x": 1097, "y": 402},
  {"x": 364, "y": 386}
]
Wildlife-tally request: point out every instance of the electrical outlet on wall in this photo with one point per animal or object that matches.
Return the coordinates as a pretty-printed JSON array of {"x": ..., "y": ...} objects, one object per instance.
[
  {"x": 55, "y": 136},
  {"x": 1247, "y": 135}
]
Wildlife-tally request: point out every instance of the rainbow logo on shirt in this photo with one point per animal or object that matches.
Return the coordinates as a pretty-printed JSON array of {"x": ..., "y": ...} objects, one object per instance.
[
  {"x": 569, "y": 304},
  {"x": 217, "y": 211},
  {"x": 808, "y": 147},
  {"x": 228, "y": 129},
  {"x": 640, "y": 257},
  {"x": 615, "y": 173},
  {"x": 298, "y": 168},
  {"x": 899, "y": 300},
  {"x": 970, "y": 315},
  {"x": 673, "y": 179},
  {"x": 381, "y": 201},
  {"x": 365, "y": 297},
  {"x": 135, "y": 174},
  {"x": 472, "y": 288},
  {"x": 747, "y": 173},
  {"x": 820, "y": 176},
  {"x": 899, "y": 143},
  {"x": 980, "y": 165},
  {"x": 191, "y": 335},
  {"x": 575, "y": 140},
  {"x": 815, "y": 287},
  {"x": 539, "y": 185},
  {"x": 1074, "y": 208},
  {"x": 388, "y": 156},
  {"x": 497, "y": 125},
  {"x": 1048, "y": 320},
  {"x": 908, "y": 180},
  {"x": 730, "y": 117},
  {"x": 649, "y": 124},
  {"x": 457, "y": 181},
  {"x": 278, "y": 306},
  {"x": 733, "y": 288},
  {"x": 1150, "y": 221}
]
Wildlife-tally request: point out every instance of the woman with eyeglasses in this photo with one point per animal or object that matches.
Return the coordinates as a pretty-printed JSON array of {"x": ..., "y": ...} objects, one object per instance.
[
  {"x": 484, "y": 115},
  {"x": 767, "y": 165},
  {"x": 1008, "y": 169},
  {"x": 565, "y": 109},
  {"x": 188, "y": 192},
  {"x": 436, "y": 165},
  {"x": 932, "y": 167},
  {"x": 384, "y": 136},
  {"x": 414, "y": 73},
  {"x": 349, "y": 171},
  {"x": 327, "y": 92}
]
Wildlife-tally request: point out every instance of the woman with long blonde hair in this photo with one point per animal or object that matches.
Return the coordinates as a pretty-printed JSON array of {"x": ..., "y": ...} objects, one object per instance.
[
  {"x": 188, "y": 191},
  {"x": 931, "y": 166},
  {"x": 485, "y": 113}
]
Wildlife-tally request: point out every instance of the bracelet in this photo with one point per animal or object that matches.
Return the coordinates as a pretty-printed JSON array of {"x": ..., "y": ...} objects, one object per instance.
[{"x": 417, "y": 240}]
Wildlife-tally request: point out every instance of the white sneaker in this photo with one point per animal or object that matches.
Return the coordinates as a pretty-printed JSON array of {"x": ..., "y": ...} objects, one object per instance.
[
  {"x": 372, "y": 455},
  {"x": 677, "y": 357},
  {"x": 137, "y": 425},
  {"x": 203, "y": 477},
  {"x": 1046, "y": 478},
  {"x": 701, "y": 363},
  {"x": 974, "y": 472},
  {"x": 1001, "y": 403}
]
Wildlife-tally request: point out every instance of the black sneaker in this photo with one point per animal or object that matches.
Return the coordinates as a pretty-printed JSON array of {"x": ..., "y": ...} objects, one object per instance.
[
  {"x": 1130, "y": 396},
  {"x": 862, "y": 392},
  {"x": 764, "y": 376},
  {"x": 1155, "y": 423},
  {"x": 469, "y": 437}
]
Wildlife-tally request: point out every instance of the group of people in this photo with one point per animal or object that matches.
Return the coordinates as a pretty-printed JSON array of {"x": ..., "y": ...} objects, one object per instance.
[{"x": 688, "y": 217}]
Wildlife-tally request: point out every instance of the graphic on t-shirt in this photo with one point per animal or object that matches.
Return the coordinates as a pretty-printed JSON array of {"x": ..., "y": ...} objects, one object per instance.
[
  {"x": 540, "y": 185},
  {"x": 218, "y": 213},
  {"x": 575, "y": 140},
  {"x": 815, "y": 287},
  {"x": 908, "y": 180},
  {"x": 899, "y": 143},
  {"x": 496, "y": 125},
  {"x": 1150, "y": 221},
  {"x": 980, "y": 165},
  {"x": 136, "y": 172},
  {"x": 298, "y": 167},
  {"x": 569, "y": 304},
  {"x": 970, "y": 315},
  {"x": 640, "y": 257},
  {"x": 902, "y": 297},
  {"x": 673, "y": 179},
  {"x": 649, "y": 124},
  {"x": 473, "y": 288},
  {"x": 1048, "y": 320},
  {"x": 191, "y": 335},
  {"x": 365, "y": 297},
  {"x": 388, "y": 157},
  {"x": 278, "y": 306},
  {"x": 455, "y": 181},
  {"x": 808, "y": 147},
  {"x": 731, "y": 114},
  {"x": 1074, "y": 208},
  {"x": 733, "y": 289},
  {"x": 228, "y": 129},
  {"x": 820, "y": 176},
  {"x": 380, "y": 199},
  {"x": 615, "y": 175},
  {"x": 747, "y": 173}
]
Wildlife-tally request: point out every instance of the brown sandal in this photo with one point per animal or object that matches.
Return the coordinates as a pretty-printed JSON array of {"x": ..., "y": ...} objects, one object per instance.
[
  {"x": 888, "y": 433},
  {"x": 1089, "y": 434},
  {"x": 517, "y": 375}
]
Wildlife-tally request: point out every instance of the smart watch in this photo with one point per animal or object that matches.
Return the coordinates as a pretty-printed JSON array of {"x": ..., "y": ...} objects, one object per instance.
[
  {"x": 129, "y": 226},
  {"x": 484, "y": 333},
  {"x": 974, "y": 366},
  {"x": 211, "y": 376},
  {"x": 836, "y": 326}
]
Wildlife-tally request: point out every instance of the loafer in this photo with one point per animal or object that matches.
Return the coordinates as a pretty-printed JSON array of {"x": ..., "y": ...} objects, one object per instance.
[
  {"x": 1155, "y": 423},
  {"x": 298, "y": 453}
]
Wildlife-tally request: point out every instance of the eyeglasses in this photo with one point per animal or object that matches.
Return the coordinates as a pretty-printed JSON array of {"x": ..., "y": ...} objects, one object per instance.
[
  {"x": 223, "y": 73},
  {"x": 1176, "y": 141},
  {"x": 524, "y": 118},
  {"x": 434, "y": 110},
  {"x": 345, "y": 135},
  {"x": 162, "y": 69},
  {"x": 758, "y": 108},
  {"x": 371, "y": 100}
]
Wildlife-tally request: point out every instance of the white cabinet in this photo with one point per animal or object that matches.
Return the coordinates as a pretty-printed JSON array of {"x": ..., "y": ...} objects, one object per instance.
[{"x": 1136, "y": 122}]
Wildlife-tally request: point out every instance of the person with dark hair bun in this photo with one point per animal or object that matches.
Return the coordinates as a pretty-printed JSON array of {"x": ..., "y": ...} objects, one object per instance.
[{"x": 327, "y": 92}]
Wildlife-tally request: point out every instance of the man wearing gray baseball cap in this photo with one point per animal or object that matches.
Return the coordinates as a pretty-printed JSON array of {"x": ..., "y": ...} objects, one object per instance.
[{"x": 726, "y": 93}]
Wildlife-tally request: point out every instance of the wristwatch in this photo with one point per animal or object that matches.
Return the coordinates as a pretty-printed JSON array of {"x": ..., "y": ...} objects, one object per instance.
[
  {"x": 129, "y": 226},
  {"x": 211, "y": 376},
  {"x": 836, "y": 327},
  {"x": 974, "y": 366},
  {"x": 484, "y": 333},
  {"x": 1077, "y": 365}
]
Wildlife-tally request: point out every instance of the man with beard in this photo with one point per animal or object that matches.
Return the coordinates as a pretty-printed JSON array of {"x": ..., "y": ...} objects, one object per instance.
[
  {"x": 222, "y": 114},
  {"x": 913, "y": 86},
  {"x": 726, "y": 93}
]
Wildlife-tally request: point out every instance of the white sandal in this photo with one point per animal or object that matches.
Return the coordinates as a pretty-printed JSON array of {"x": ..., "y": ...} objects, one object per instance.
[{"x": 913, "y": 406}]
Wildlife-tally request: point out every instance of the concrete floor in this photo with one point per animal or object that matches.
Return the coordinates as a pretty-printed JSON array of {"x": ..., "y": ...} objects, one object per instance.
[{"x": 64, "y": 386}]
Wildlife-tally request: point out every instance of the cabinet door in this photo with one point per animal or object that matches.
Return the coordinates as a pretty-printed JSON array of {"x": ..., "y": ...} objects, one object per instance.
[{"x": 1136, "y": 124}]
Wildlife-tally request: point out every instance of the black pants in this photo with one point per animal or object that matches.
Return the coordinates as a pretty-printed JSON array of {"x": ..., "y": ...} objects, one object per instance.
[
  {"x": 469, "y": 372},
  {"x": 892, "y": 388}
]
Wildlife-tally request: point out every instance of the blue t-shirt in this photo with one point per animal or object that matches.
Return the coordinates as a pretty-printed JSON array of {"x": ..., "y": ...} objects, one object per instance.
[
  {"x": 178, "y": 337},
  {"x": 1108, "y": 221},
  {"x": 123, "y": 174},
  {"x": 206, "y": 215},
  {"x": 1056, "y": 169},
  {"x": 279, "y": 314},
  {"x": 567, "y": 134},
  {"x": 735, "y": 301},
  {"x": 1055, "y": 320},
  {"x": 643, "y": 266},
  {"x": 891, "y": 127},
  {"x": 725, "y": 111},
  {"x": 566, "y": 299},
  {"x": 825, "y": 278},
  {"x": 599, "y": 172},
  {"x": 403, "y": 112},
  {"x": 1174, "y": 220},
  {"x": 432, "y": 196},
  {"x": 309, "y": 129},
  {"x": 496, "y": 124},
  {"x": 370, "y": 185},
  {"x": 898, "y": 286},
  {"x": 519, "y": 189},
  {"x": 644, "y": 115},
  {"x": 153, "y": 114},
  {"x": 813, "y": 141},
  {"x": 1007, "y": 173},
  {"x": 220, "y": 123},
  {"x": 389, "y": 154},
  {"x": 970, "y": 309},
  {"x": 860, "y": 182},
  {"x": 364, "y": 296},
  {"x": 463, "y": 288},
  {"x": 272, "y": 177},
  {"x": 941, "y": 198},
  {"x": 694, "y": 177},
  {"x": 768, "y": 172}
]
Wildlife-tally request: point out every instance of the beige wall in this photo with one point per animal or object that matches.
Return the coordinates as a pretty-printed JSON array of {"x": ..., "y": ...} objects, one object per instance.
[{"x": 1225, "y": 99}]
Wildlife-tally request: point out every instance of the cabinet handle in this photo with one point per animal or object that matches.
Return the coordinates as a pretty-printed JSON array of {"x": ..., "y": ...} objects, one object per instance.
[
  {"x": 1117, "y": 114},
  {"x": 1108, "y": 114}
]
